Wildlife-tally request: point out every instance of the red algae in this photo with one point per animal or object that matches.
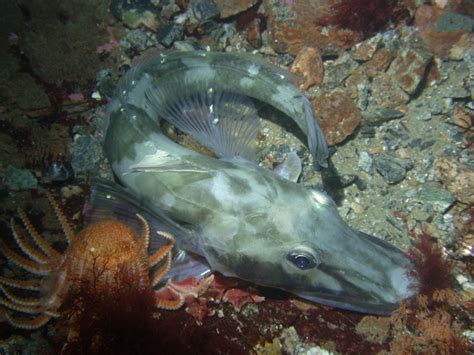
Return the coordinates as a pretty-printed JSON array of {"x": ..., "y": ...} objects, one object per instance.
[
  {"x": 432, "y": 321},
  {"x": 116, "y": 320},
  {"x": 431, "y": 269},
  {"x": 366, "y": 17}
]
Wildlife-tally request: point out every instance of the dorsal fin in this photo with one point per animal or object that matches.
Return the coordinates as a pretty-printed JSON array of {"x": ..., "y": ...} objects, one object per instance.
[{"x": 220, "y": 119}]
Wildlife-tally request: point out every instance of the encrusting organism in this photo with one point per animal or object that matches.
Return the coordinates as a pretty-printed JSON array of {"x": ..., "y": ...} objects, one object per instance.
[{"x": 103, "y": 256}]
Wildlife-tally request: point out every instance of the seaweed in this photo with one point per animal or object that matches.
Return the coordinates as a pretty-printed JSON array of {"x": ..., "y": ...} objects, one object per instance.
[
  {"x": 431, "y": 269},
  {"x": 366, "y": 17},
  {"x": 118, "y": 319},
  {"x": 431, "y": 322}
]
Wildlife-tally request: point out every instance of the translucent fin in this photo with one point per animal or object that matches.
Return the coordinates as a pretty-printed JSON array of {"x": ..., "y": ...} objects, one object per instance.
[
  {"x": 222, "y": 120},
  {"x": 187, "y": 265},
  {"x": 290, "y": 169},
  {"x": 111, "y": 201}
]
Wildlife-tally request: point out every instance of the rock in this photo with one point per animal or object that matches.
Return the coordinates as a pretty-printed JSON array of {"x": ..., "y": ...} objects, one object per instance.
[
  {"x": 228, "y": 8},
  {"x": 456, "y": 178},
  {"x": 59, "y": 42},
  {"x": 440, "y": 199},
  {"x": 25, "y": 91},
  {"x": 138, "y": 40},
  {"x": 170, "y": 33},
  {"x": 379, "y": 63},
  {"x": 440, "y": 41},
  {"x": 365, "y": 162},
  {"x": 453, "y": 22},
  {"x": 135, "y": 13},
  {"x": 392, "y": 169},
  {"x": 377, "y": 115},
  {"x": 292, "y": 26},
  {"x": 337, "y": 115},
  {"x": 309, "y": 64},
  {"x": 358, "y": 85},
  {"x": 456, "y": 84},
  {"x": 365, "y": 50},
  {"x": 86, "y": 154},
  {"x": 339, "y": 70},
  {"x": 460, "y": 48},
  {"x": 19, "y": 179},
  {"x": 374, "y": 329},
  {"x": 205, "y": 10},
  {"x": 251, "y": 31},
  {"x": 409, "y": 67},
  {"x": 387, "y": 93}
]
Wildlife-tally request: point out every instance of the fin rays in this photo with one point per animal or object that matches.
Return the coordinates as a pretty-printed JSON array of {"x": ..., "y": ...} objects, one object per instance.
[{"x": 223, "y": 120}]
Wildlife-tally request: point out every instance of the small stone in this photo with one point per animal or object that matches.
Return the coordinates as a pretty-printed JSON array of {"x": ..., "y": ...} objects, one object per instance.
[
  {"x": 289, "y": 27},
  {"x": 365, "y": 162},
  {"x": 337, "y": 115},
  {"x": 252, "y": 32},
  {"x": 387, "y": 93},
  {"x": 379, "y": 63},
  {"x": 460, "y": 48},
  {"x": 359, "y": 88},
  {"x": 337, "y": 71},
  {"x": 440, "y": 199},
  {"x": 205, "y": 10},
  {"x": 229, "y": 8},
  {"x": 453, "y": 22},
  {"x": 19, "y": 179},
  {"x": 309, "y": 64},
  {"x": 137, "y": 39},
  {"x": 440, "y": 43},
  {"x": 409, "y": 68},
  {"x": 134, "y": 13},
  {"x": 357, "y": 208},
  {"x": 424, "y": 116},
  {"x": 366, "y": 49},
  {"x": 86, "y": 154},
  {"x": 456, "y": 178},
  {"x": 392, "y": 169},
  {"x": 170, "y": 33},
  {"x": 374, "y": 329},
  {"x": 377, "y": 115}
]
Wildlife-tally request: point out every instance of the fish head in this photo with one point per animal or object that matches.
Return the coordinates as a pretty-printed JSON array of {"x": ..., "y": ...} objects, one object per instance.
[
  {"x": 330, "y": 263},
  {"x": 323, "y": 260}
]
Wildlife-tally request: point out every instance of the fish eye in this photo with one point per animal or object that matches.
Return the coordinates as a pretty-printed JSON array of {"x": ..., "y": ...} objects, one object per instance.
[{"x": 303, "y": 259}]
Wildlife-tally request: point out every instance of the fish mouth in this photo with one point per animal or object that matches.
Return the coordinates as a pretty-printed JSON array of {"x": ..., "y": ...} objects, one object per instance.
[
  {"x": 350, "y": 302},
  {"x": 358, "y": 294}
]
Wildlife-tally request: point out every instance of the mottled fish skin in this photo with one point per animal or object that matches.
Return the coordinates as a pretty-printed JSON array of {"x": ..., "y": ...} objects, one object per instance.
[
  {"x": 246, "y": 221},
  {"x": 254, "y": 78}
]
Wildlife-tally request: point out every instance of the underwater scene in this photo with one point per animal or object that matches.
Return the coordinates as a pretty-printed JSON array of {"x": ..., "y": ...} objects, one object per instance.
[{"x": 236, "y": 177}]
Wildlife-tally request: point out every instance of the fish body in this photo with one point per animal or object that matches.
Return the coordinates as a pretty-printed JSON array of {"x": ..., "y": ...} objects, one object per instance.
[{"x": 245, "y": 221}]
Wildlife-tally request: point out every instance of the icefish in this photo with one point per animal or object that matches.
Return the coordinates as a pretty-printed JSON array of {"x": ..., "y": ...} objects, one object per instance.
[{"x": 246, "y": 221}]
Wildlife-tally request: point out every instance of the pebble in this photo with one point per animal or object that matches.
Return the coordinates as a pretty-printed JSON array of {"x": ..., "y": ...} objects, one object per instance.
[
  {"x": 170, "y": 33},
  {"x": 409, "y": 67},
  {"x": 392, "y": 169},
  {"x": 138, "y": 40},
  {"x": 337, "y": 114},
  {"x": 377, "y": 115},
  {"x": 19, "y": 179},
  {"x": 365, "y": 162},
  {"x": 86, "y": 154},
  {"x": 309, "y": 63},
  {"x": 205, "y": 10},
  {"x": 440, "y": 199}
]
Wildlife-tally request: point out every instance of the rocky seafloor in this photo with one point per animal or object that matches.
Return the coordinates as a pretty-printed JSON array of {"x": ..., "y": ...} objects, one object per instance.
[{"x": 391, "y": 83}]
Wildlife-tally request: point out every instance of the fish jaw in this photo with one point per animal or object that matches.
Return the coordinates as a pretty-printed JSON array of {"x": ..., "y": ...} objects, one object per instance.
[{"x": 361, "y": 293}]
